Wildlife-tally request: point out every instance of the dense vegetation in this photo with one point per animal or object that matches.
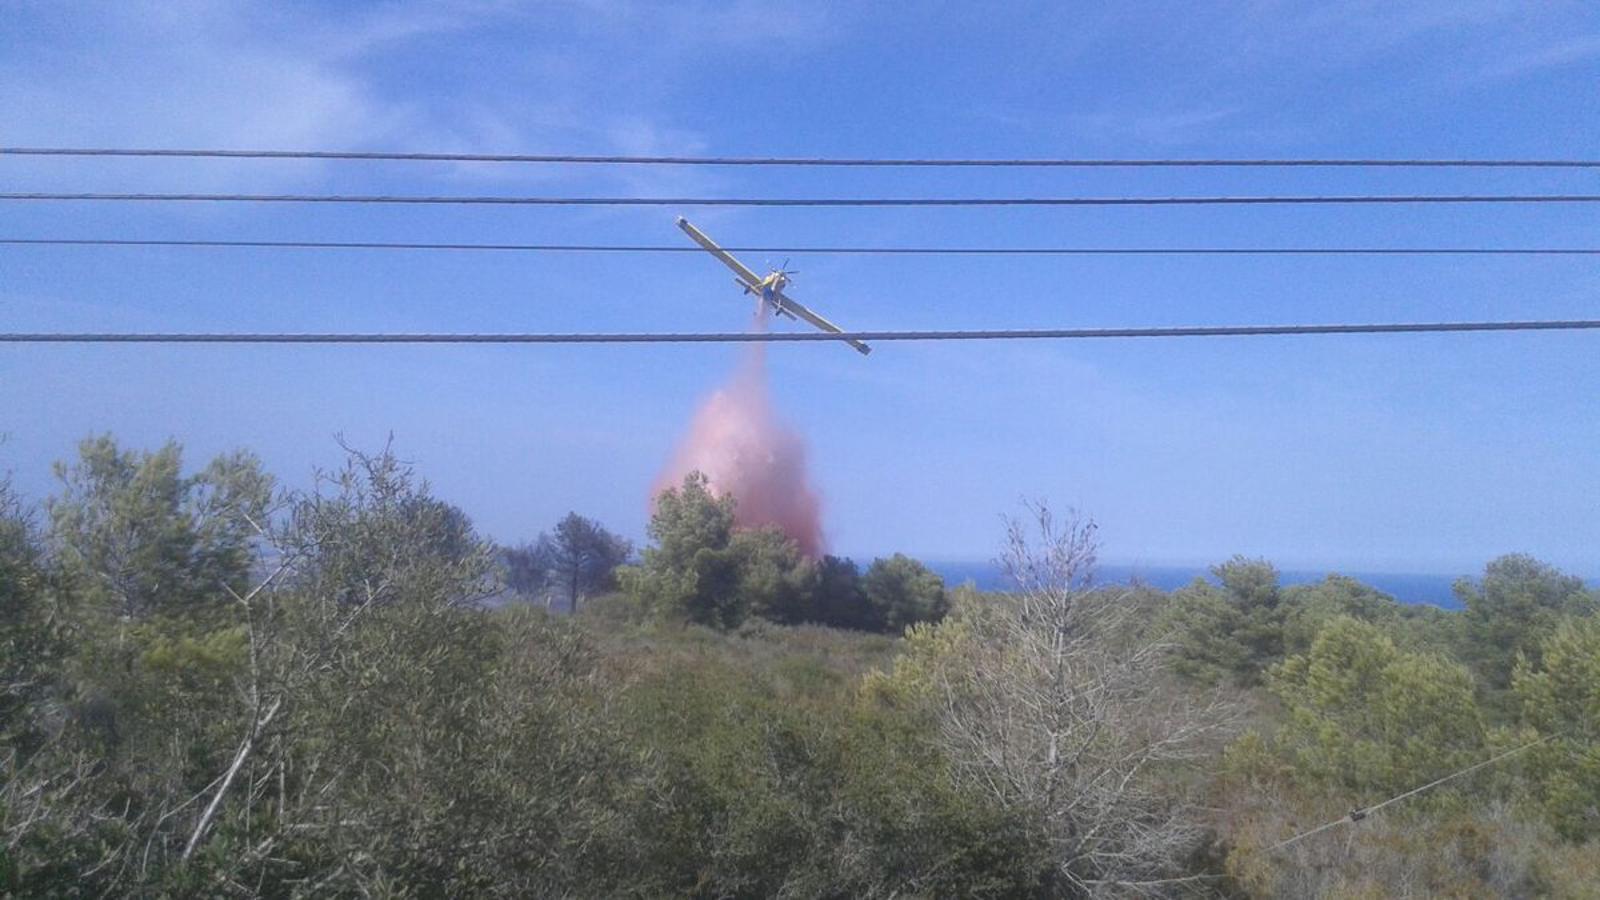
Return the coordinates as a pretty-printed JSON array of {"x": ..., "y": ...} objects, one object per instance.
[{"x": 210, "y": 687}]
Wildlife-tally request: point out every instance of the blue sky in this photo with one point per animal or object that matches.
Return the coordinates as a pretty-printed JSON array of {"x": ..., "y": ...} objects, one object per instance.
[{"x": 1421, "y": 453}]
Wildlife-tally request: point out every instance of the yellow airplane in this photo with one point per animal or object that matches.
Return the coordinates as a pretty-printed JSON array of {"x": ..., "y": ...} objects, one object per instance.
[{"x": 769, "y": 289}]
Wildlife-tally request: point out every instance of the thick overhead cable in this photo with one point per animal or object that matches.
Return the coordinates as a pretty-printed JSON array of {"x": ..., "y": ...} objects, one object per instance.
[
  {"x": 863, "y": 162},
  {"x": 785, "y": 337},
  {"x": 1241, "y": 200},
  {"x": 865, "y": 250}
]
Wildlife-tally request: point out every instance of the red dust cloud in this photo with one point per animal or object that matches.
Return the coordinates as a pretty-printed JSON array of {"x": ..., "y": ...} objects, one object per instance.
[{"x": 743, "y": 450}]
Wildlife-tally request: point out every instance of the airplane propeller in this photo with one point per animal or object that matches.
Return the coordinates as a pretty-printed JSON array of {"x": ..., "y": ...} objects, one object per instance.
[{"x": 753, "y": 283}]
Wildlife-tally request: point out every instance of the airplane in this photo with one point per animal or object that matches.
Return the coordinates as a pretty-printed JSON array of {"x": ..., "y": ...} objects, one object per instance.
[{"x": 769, "y": 289}]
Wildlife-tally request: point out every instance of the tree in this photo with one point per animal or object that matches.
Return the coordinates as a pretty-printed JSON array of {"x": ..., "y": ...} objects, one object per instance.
[
  {"x": 527, "y": 569},
  {"x": 29, "y": 645},
  {"x": 1559, "y": 697},
  {"x": 580, "y": 559},
  {"x": 372, "y": 533},
  {"x": 1235, "y": 628},
  {"x": 1251, "y": 586},
  {"x": 366, "y": 659},
  {"x": 776, "y": 582},
  {"x": 143, "y": 538},
  {"x": 1050, "y": 705},
  {"x": 692, "y": 572},
  {"x": 704, "y": 570},
  {"x": 447, "y": 534},
  {"x": 1365, "y": 716},
  {"x": 1512, "y": 610},
  {"x": 1201, "y": 623},
  {"x": 765, "y": 784},
  {"x": 688, "y": 521},
  {"x": 901, "y": 592},
  {"x": 1309, "y": 607},
  {"x": 841, "y": 601}
]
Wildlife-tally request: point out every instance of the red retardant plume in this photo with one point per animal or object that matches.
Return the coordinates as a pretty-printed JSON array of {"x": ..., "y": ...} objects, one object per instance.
[{"x": 741, "y": 448}]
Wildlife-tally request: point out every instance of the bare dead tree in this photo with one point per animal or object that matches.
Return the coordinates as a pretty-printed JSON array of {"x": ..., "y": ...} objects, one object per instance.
[{"x": 1059, "y": 704}]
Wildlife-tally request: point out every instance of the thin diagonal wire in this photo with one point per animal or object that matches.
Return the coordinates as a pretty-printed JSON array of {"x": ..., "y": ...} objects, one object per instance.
[{"x": 1357, "y": 815}]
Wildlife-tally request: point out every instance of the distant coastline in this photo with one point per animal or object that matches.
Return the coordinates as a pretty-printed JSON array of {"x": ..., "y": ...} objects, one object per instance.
[{"x": 1435, "y": 590}]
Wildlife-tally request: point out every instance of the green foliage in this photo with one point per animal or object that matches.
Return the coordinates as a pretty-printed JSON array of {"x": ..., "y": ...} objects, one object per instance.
[
  {"x": 205, "y": 662},
  {"x": 689, "y": 521},
  {"x": 579, "y": 560},
  {"x": 902, "y": 592},
  {"x": 1560, "y": 698},
  {"x": 182, "y": 718},
  {"x": 1310, "y": 607},
  {"x": 1242, "y": 627},
  {"x": 931, "y": 651},
  {"x": 691, "y": 573},
  {"x": 769, "y": 777},
  {"x": 1423, "y": 627},
  {"x": 1234, "y": 630},
  {"x": 372, "y": 535},
  {"x": 141, "y": 538},
  {"x": 422, "y": 742},
  {"x": 1251, "y": 587},
  {"x": 1202, "y": 622},
  {"x": 776, "y": 582},
  {"x": 704, "y": 571},
  {"x": 28, "y": 641},
  {"x": 841, "y": 601},
  {"x": 1364, "y": 716},
  {"x": 1512, "y": 610},
  {"x": 1485, "y": 853}
]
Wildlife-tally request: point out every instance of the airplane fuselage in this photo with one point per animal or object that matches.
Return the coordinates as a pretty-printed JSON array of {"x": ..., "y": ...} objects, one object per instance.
[{"x": 769, "y": 288}]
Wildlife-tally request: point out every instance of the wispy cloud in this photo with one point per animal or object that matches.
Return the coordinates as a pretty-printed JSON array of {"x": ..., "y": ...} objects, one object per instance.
[
  {"x": 192, "y": 74},
  {"x": 1560, "y": 54},
  {"x": 1240, "y": 62},
  {"x": 684, "y": 26},
  {"x": 1349, "y": 32},
  {"x": 1487, "y": 40},
  {"x": 222, "y": 73}
]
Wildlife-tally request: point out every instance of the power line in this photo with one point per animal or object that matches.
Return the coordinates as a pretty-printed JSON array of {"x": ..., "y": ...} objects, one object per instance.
[
  {"x": 782, "y": 337},
  {"x": 866, "y": 250},
  {"x": 860, "y": 162},
  {"x": 1357, "y": 815},
  {"x": 1242, "y": 200}
]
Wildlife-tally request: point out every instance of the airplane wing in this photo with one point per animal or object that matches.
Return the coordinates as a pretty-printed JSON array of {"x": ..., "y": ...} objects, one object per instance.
[
  {"x": 793, "y": 308},
  {"x": 752, "y": 282},
  {"x": 750, "y": 278}
]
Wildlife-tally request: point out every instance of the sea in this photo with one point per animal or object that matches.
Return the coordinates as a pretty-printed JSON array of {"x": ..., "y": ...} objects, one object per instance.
[{"x": 1434, "y": 590}]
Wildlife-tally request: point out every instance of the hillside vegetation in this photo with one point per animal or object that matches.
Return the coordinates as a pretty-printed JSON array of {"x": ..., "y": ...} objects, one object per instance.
[{"x": 212, "y": 687}]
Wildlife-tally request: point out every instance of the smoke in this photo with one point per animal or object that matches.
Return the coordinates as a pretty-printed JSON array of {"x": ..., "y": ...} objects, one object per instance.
[{"x": 743, "y": 450}]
